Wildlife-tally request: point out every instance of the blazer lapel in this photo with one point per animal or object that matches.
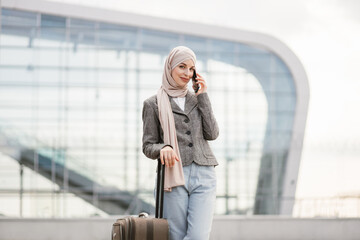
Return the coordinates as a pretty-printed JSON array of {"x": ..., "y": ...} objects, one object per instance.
[
  {"x": 175, "y": 108},
  {"x": 190, "y": 102}
]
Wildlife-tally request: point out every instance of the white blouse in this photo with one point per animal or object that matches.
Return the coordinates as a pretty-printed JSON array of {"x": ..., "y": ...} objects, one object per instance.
[{"x": 180, "y": 101}]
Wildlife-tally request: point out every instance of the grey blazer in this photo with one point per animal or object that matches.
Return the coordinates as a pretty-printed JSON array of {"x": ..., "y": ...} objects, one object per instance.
[{"x": 194, "y": 127}]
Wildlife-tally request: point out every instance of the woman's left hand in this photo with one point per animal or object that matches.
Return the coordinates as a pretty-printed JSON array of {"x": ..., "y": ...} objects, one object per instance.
[{"x": 202, "y": 82}]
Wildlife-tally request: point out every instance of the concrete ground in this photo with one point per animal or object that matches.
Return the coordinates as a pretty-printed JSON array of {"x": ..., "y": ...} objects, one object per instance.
[{"x": 224, "y": 228}]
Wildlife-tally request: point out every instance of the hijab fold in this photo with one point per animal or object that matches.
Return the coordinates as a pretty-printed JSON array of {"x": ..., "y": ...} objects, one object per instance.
[{"x": 174, "y": 176}]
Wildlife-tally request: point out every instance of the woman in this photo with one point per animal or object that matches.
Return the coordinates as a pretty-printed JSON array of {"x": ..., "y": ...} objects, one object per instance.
[{"x": 177, "y": 124}]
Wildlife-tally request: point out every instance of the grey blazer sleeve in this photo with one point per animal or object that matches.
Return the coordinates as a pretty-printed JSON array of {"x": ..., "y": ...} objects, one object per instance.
[
  {"x": 210, "y": 126},
  {"x": 152, "y": 139}
]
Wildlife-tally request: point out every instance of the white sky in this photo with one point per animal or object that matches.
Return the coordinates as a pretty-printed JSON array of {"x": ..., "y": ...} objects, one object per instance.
[{"x": 325, "y": 35}]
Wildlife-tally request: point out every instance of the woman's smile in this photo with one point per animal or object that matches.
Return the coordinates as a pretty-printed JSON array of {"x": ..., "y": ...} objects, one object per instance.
[{"x": 185, "y": 79}]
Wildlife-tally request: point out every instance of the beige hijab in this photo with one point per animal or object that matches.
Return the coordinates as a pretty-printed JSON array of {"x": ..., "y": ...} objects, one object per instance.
[{"x": 174, "y": 176}]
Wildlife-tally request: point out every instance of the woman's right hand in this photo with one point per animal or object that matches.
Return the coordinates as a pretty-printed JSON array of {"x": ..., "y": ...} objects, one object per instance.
[{"x": 168, "y": 156}]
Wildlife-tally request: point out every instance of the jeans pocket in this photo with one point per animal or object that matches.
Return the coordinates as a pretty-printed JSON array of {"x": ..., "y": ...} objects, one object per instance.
[{"x": 208, "y": 173}]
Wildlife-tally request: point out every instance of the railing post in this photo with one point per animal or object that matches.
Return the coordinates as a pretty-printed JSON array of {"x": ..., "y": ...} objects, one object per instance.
[{"x": 21, "y": 188}]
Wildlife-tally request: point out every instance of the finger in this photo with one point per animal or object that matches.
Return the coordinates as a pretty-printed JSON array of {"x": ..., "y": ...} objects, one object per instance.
[
  {"x": 171, "y": 163},
  {"x": 169, "y": 158},
  {"x": 166, "y": 158},
  {"x": 174, "y": 158},
  {"x": 162, "y": 157},
  {"x": 200, "y": 80},
  {"x": 202, "y": 84},
  {"x": 177, "y": 158}
]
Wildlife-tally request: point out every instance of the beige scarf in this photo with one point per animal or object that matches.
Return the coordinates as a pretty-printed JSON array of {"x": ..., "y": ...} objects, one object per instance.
[{"x": 174, "y": 176}]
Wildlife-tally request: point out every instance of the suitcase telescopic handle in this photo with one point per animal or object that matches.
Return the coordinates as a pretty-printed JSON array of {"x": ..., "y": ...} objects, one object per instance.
[{"x": 160, "y": 190}]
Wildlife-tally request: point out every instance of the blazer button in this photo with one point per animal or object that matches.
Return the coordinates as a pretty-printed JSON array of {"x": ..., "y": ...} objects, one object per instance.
[
  {"x": 190, "y": 145},
  {"x": 188, "y": 132},
  {"x": 186, "y": 120}
]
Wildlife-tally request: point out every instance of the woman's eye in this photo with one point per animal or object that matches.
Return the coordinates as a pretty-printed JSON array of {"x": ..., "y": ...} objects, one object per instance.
[{"x": 181, "y": 66}]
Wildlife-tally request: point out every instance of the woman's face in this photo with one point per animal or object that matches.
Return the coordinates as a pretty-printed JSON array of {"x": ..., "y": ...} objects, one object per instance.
[{"x": 183, "y": 72}]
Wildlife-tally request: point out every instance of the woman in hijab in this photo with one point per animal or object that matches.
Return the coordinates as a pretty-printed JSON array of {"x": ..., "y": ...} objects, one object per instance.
[{"x": 177, "y": 125}]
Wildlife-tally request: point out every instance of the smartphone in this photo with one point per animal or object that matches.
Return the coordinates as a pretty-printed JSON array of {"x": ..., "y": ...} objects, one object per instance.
[{"x": 196, "y": 88}]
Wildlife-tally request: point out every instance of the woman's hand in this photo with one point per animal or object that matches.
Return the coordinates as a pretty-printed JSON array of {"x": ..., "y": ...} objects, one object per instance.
[
  {"x": 203, "y": 87},
  {"x": 168, "y": 156}
]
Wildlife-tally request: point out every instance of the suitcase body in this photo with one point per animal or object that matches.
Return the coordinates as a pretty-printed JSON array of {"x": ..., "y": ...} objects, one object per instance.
[
  {"x": 140, "y": 228},
  {"x": 144, "y": 227}
]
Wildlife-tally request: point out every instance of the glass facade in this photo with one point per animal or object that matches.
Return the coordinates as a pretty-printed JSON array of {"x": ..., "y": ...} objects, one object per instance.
[{"x": 71, "y": 94}]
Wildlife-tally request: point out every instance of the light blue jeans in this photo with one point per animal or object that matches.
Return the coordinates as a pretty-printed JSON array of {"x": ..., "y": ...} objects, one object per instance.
[{"x": 189, "y": 209}]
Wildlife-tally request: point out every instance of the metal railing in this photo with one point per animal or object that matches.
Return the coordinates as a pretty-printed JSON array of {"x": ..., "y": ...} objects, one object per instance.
[{"x": 344, "y": 206}]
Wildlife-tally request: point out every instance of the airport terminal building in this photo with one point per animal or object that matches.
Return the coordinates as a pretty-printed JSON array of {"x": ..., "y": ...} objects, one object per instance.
[{"x": 72, "y": 84}]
